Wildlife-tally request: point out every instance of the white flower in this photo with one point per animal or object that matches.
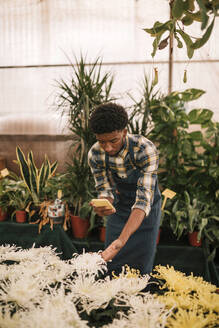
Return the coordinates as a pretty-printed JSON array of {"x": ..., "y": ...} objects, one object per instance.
[
  {"x": 4, "y": 272},
  {"x": 6, "y": 251},
  {"x": 8, "y": 321},
  {"x": 45, "y": 291},
  {"x": 55, "y": 311},
  {"x": 85, "y": 290},
  {"x": 145, "y": 311},
  {"x": 22, "y": 290},
  {"x": 132, "y": 286},
  {"x": 90, "y": 263}
]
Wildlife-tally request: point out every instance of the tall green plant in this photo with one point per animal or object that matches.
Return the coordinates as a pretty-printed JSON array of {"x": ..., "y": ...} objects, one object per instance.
[
  {"x": 189, "y": 158},
  {"x": 87, "y": 88},
  {"x": 177, "y": 143},
  {"x": 168, "y": 127},
  {"x": 140, "y": 118}
]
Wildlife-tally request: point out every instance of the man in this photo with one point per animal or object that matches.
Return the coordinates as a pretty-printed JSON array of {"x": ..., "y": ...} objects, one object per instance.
[{"x": 125, "y": 171}]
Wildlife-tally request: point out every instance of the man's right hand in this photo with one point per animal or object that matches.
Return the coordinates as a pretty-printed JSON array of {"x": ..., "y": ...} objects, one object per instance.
[
  {"x": 110, "y": 252},
  {"x": 103, "y": 210}
]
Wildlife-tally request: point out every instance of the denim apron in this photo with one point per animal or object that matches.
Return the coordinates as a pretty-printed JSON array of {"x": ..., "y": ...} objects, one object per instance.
[{"x": 139, "y": 251}]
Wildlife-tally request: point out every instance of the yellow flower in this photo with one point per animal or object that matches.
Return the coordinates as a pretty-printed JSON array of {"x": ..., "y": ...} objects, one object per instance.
[
  {"x": 191, "y": 319},
  {"x": 210, "y": 301},
  {"x": 127, "y": 272},
  {"x": 172, "y": 299},
  {"x": 174, "y": 280}
]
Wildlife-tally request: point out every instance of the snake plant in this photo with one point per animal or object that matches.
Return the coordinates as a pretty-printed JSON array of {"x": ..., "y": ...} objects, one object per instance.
[{"x": 35, "y": 179}]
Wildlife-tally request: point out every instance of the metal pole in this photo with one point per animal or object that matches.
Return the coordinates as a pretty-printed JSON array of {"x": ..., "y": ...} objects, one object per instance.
[{"x": 170, "y": 54}]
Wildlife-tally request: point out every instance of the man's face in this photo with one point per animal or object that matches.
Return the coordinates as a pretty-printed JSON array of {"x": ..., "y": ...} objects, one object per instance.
[{"x": 112, "y": 142}]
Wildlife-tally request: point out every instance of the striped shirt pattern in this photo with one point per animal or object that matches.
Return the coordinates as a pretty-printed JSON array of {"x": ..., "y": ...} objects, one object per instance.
[{"x": 146, "y": 159}]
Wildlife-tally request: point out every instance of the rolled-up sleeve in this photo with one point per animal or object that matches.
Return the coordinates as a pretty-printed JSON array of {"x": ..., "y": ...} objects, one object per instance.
[{"x": 147, "y": 159}]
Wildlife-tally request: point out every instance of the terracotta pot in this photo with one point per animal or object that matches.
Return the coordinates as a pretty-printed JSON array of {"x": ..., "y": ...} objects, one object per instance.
[
  {"x": 21, "y": 216},
  {"x": 79, "y": 226},
  {"x": 193, "y": 240},
  {"x": 158, "y": 237},
  {"x": 102, "y": 234},
  {"x": 3, "y": 215}
]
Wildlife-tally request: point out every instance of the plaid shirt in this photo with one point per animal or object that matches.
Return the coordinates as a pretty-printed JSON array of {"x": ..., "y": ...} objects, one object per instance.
[{"x": 146, "y": 159}]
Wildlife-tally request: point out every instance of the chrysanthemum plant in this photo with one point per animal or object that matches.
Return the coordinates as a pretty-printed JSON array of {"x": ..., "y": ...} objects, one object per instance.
[{"x": 38, "y": 289}]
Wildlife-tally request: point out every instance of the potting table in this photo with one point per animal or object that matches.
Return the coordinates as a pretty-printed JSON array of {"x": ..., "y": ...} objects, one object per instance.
[{"x": 26, "y": 235}]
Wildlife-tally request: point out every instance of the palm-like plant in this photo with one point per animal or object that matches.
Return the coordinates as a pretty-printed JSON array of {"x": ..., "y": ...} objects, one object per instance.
[
  {"x": 87, "y": 88},
  {"x": 140, "y": 118}
]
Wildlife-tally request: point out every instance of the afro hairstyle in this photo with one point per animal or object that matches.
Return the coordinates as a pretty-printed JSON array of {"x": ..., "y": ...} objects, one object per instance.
[{"x": 107, "y": 118}]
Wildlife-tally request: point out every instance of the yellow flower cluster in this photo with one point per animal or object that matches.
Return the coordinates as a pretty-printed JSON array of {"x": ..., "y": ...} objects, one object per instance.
[
  {"x": 194, "y": 301},
  {"x": 127, "y": 272}
]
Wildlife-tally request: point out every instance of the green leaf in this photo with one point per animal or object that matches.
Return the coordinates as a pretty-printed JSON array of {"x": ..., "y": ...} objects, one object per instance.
[
  {"x": 33, "y": 181},
  {"x": 200, "y": 116},
  {"x": 53, "y": 167},
  {"x": 31, "y": 161},
  {"x": 188, "y": 42},
  {"x": 200, "y": 42},
  {"x": 204, "y": 16},
  {"x": 215, "y": 217},
  {"x": 191, "y": 5},
  {"x": 191, "y": 94},
  {"x": 41, "y": 177},
  {"x": 33, "y": 173},
  {"x": 179, "y": 43},
  {"x": 187, "y": 198},
  {"x": 187, "y": 20},
  {"x": 196, "y": 135},
  {"x": 178, "y": 8},
  {"x": 186, "y": 147},
  {"x": 194, "y": 16},
  {"x": 159, "y": 27},
  {"x": 24, "y": 167},
  {"x": 156, "y": 43}
]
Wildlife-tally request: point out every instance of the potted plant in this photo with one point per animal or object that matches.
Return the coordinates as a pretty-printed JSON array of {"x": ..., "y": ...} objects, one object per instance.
[
  {"x": 19, "y": 199},
  {"x": 189, "y": 215},
  {"x": 35, "y": 181},
  {"x": 56, "y": 193},
  {"x": 80, "y": 190},
  {"x": 87, "y": 87}
]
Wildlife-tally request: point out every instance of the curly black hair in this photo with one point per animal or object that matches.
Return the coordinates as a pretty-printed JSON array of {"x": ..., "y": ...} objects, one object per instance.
[{"x": 107, "y": 118}]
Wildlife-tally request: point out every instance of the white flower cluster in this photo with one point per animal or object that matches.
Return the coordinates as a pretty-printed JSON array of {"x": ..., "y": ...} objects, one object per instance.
[{"x": 39, "y": 290}]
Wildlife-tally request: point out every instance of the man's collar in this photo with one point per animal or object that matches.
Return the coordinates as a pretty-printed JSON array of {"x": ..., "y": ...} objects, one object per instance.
[{"x": 124, "y": 150}]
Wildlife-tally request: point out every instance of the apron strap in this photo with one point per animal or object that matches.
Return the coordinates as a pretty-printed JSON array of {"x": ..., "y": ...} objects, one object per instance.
[{"x": 131, "y": 152}]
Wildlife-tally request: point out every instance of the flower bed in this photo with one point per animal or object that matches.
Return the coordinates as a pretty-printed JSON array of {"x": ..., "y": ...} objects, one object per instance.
[{"x": 38, "y": 289}]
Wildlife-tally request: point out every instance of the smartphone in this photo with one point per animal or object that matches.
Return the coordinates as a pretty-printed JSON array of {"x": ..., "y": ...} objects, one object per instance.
[{"x": 100, "y": 202}]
